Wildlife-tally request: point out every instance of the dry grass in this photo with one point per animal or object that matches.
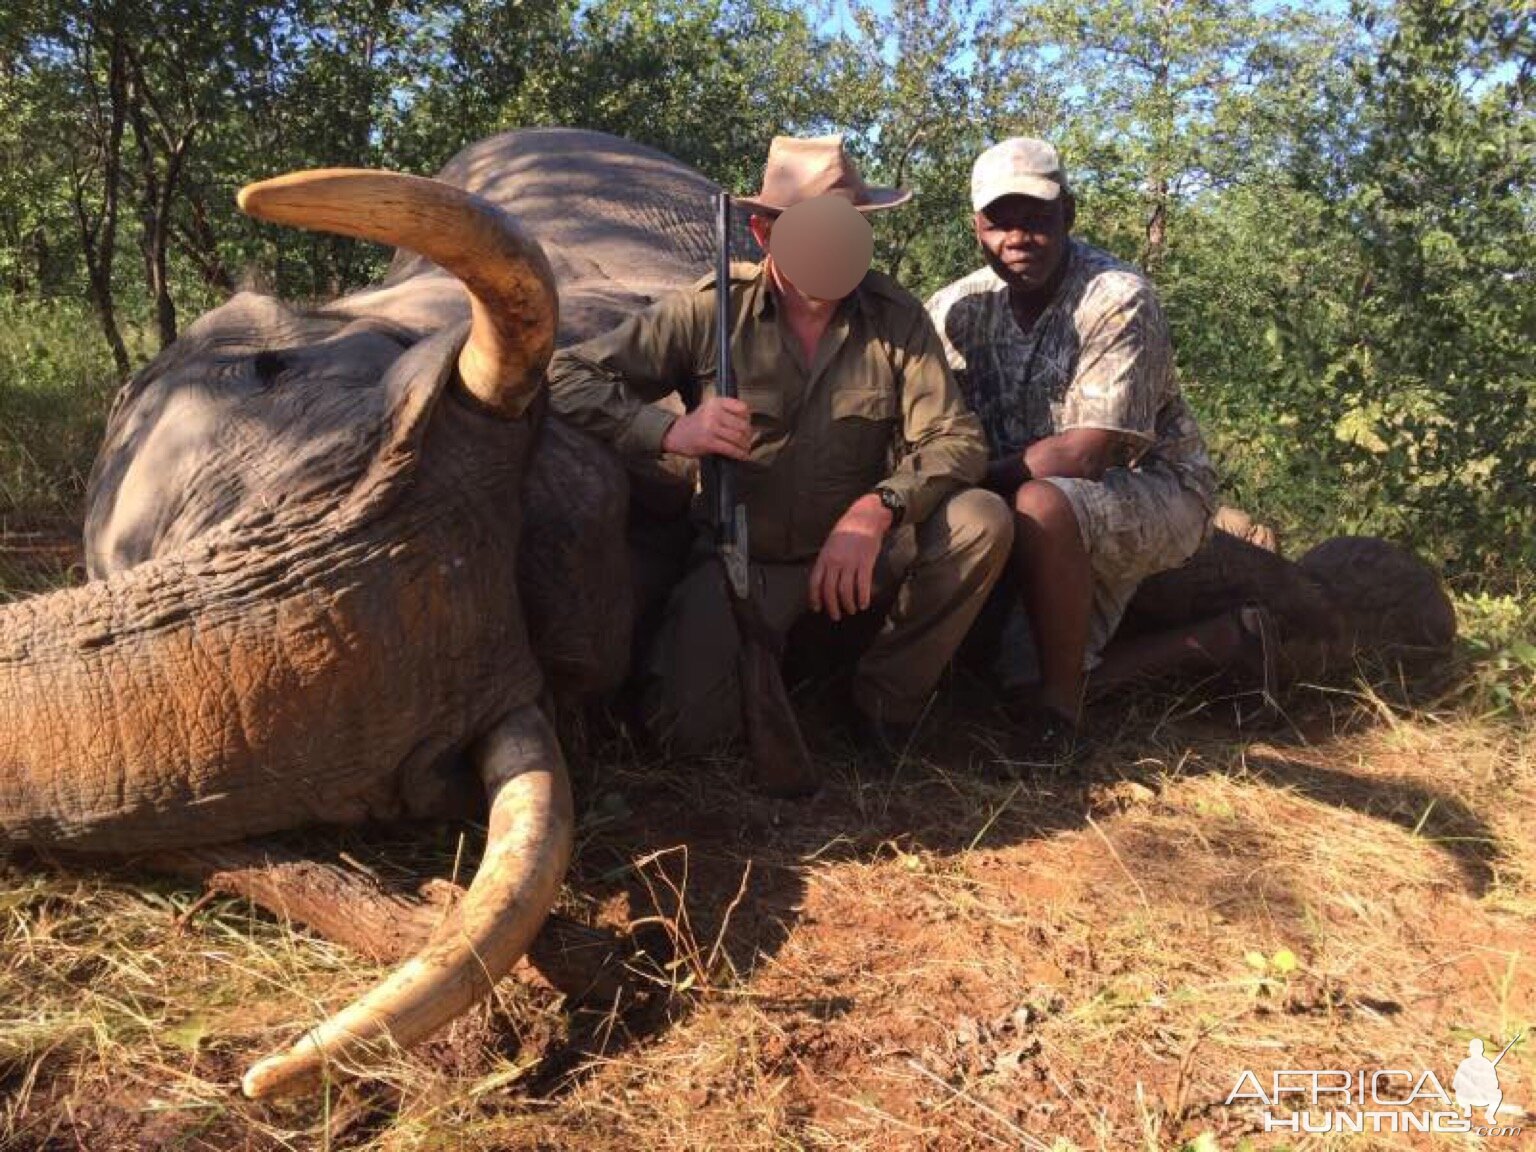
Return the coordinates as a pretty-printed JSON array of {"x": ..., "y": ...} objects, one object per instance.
[{"x": 949, "y": 958}]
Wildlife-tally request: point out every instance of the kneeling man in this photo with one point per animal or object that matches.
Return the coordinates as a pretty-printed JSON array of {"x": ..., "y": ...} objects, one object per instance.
[
  {"x": 1063, "y": 353},
  {"x": 857, "y": 454}
]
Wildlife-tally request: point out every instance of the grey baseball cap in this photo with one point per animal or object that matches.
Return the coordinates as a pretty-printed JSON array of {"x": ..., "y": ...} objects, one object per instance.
[{"x": 1019, "y": 166}]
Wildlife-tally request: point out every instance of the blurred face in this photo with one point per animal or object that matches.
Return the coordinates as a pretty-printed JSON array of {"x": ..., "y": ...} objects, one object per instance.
[
  {"x": 821, "y": 247},
  {"x": 1024, "y": 239}
]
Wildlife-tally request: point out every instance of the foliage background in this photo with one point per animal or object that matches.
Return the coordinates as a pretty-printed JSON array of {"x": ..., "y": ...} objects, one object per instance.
[{"x": 1336, "y": 204}]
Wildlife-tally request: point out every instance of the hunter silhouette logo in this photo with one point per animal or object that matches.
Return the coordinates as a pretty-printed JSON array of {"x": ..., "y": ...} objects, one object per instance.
[
  {"x": 1477, "y": 1079},
  {"x": 1382, "y": 1100}
]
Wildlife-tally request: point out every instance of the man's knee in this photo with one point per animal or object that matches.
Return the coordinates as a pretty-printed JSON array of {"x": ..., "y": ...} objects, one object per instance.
[
  {"x": 976, "y": 522},
  {"x": 1046, "y": 510},
  {"x": 688, "y": 689}
]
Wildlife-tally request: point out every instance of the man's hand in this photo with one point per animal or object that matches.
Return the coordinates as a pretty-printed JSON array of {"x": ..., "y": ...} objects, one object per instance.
[
  {"x": 843, "y": 577},
  {"x": 717, "y": 427}
]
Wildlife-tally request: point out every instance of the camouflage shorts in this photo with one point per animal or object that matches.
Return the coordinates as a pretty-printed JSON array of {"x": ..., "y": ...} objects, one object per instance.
[{"x": 1134, "y": 523}]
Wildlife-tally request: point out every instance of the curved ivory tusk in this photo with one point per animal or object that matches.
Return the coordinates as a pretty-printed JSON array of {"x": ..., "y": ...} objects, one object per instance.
[
  {"x": 510, "y": 283},
  {"x": 527, "y": 851}
]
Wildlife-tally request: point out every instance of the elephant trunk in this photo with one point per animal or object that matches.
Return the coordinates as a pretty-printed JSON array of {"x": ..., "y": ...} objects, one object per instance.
[
  {"x": 114, "y": 708},
  {"x": 172, "y": 705},
  {"x": 527, "y": 851},
  {"x": 510, "y": 283}
]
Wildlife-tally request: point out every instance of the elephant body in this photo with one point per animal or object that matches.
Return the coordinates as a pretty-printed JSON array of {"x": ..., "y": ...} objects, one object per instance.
[
  {"x": 319, "y": 659},
  {"x": 306, "y": 558},
  {"x": 337, "y": 554}
]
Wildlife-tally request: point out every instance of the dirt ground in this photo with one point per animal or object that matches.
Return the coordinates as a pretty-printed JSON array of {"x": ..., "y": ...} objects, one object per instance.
[{"x": 952, "y": 956}]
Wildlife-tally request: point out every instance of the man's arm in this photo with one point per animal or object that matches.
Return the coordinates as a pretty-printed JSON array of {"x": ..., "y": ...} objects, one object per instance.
[
  {"x": 607, "y": 384},
  {"x": 945, "y": 452},
  {"x": 1110, "y": 411},
  {"x": 1083, "y": 452}
]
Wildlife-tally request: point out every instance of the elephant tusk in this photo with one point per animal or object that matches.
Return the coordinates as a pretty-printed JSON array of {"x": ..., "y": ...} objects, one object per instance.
[
  {"x": 511, "y": 286},
  {"x": 527, "y": 851}
]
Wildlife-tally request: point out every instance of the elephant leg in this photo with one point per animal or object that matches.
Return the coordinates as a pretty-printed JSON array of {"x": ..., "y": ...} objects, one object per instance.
[{"x": 388, "y": 922}]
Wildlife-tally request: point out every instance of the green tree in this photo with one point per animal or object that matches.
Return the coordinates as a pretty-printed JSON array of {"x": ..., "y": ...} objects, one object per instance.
[
  {"x": 923, "y": 86},
  {"x": 1434, "y": 368},
  {"x": 1168, "y": 100},
  {"x": 123, "y": 106},
  {"x": 708, "y": 81}
]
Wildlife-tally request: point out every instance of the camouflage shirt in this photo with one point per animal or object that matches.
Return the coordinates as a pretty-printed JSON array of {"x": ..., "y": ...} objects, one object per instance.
[{"x": 1098, "y": 357}]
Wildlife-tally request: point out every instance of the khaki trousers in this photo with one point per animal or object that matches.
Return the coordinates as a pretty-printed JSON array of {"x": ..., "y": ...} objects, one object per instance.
[{"x": 941, "y": 570}]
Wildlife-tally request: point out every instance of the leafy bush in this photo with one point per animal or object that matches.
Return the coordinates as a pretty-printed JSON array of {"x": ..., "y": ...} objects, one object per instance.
[{"x": 1500, "y": 635}]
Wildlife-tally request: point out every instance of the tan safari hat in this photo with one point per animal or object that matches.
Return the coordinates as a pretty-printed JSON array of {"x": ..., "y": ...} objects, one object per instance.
[
  {"x": 1020, "y": 166},
  {"x": 800, "y": 168}
]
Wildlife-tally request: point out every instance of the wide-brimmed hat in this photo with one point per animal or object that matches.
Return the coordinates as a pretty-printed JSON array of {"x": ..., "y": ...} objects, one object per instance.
[{"x": 801, "y": 168}]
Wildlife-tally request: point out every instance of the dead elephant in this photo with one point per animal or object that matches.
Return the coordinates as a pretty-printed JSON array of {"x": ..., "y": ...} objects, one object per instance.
[{"x": 337, "y": 555}]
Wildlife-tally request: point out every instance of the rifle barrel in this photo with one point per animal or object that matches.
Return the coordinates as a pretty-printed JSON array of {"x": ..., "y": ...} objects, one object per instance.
[
  {"x": 1508, "y": 1046},
  {"x": 725, "y": 381}
]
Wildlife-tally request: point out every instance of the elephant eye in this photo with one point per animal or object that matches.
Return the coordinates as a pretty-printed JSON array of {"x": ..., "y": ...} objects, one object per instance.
[{"x": 269, "y": 365}]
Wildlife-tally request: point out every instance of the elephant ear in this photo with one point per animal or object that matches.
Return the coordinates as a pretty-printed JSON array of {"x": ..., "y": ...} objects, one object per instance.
[{"x": 412, "y": 388}]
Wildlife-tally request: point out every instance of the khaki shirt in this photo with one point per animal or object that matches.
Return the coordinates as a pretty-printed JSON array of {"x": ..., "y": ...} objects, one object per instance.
[
  {"x": 877, "y": 406},
  {"x": 1098, "y": 357}
]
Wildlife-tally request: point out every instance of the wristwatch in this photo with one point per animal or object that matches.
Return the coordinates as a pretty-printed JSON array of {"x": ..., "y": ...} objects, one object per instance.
[{"x": 893, "y": 503}]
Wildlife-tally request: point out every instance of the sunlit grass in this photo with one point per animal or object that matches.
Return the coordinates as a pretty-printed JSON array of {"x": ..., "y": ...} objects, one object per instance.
[{"x": 946, "y": 959}]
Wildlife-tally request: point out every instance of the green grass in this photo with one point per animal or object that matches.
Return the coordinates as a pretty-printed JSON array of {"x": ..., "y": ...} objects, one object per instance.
[
  {"x": 1499, "y": 635},
  {"x": 56, "y": 386}
]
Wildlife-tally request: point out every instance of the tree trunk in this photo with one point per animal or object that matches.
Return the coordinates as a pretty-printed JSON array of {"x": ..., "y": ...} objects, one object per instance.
[
  {"x": 1155, "y": 247},
  {"x": 156, "y": 198},
  {"x": 41, "y": 255},
  {"x": 199, "y": 243},
  {"x": 98, "y": 238},
  {"x": 99, "y": 272}
]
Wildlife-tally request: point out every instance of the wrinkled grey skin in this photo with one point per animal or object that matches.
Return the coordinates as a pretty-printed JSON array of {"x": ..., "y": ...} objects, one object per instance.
[{"x": 317, "y": 570}]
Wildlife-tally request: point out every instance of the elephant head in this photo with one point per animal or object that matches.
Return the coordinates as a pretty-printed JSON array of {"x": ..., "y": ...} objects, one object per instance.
[{"x": 338, "y": 554}]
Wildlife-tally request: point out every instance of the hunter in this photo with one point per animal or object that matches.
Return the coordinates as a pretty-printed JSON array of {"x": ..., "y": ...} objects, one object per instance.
[{"x": 858, "y": 455}]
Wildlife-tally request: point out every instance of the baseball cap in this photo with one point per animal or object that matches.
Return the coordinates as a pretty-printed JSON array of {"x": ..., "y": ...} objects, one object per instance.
[{"x": 1019, "y": 166}]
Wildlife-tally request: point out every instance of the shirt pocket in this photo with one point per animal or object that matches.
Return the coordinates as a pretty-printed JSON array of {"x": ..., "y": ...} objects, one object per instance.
[
  {"x": 862, "y": 433},
  {"x": 875, "y": 402},
  {"x": 766, "y": 401}
]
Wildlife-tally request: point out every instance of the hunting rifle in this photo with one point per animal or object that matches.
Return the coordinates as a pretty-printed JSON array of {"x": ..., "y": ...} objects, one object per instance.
[{"x": 781, "y": 763}]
